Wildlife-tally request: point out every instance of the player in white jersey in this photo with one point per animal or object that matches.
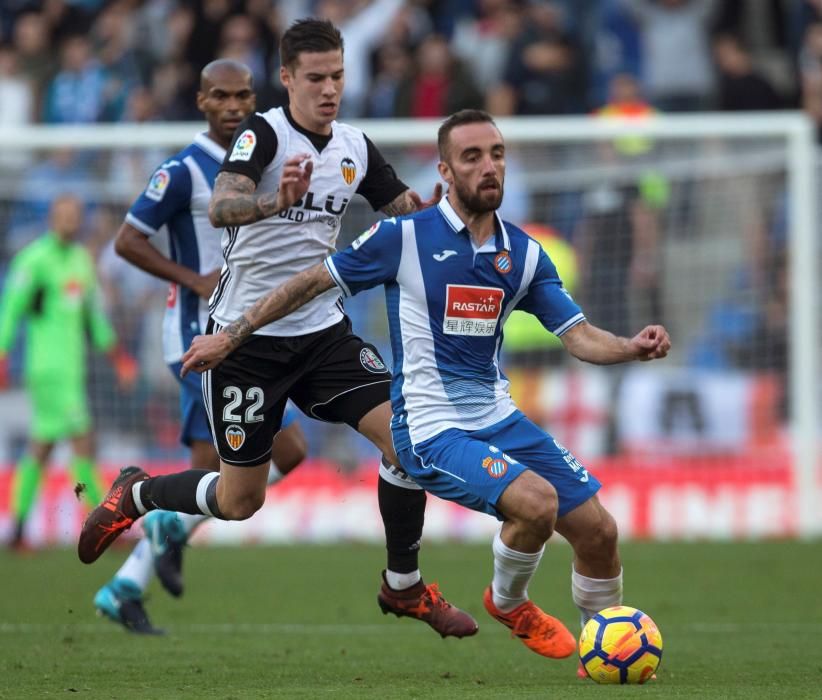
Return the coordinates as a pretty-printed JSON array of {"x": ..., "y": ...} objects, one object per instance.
[
  {"x": 276, "y": 225},
  {"x": 452, "y": 275},
  {"x": 176, "y": 201}
]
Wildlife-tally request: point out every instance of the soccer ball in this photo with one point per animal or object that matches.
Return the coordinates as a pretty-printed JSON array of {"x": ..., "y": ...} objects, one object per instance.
[{"x": 620, "y": 645}]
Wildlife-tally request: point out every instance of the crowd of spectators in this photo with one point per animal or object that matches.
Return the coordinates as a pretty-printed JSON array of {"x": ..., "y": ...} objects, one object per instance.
[{"x": 135, "y": 60}]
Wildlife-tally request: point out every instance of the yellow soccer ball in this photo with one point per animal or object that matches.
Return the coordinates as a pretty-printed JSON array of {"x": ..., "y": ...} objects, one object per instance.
[{"x": 620, "y": 645}]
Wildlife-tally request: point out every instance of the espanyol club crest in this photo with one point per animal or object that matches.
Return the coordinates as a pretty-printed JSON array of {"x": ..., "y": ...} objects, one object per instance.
[
  {"x": 495, "y": 467},
  {"x": 235, "y": 437},
  {"x": 502, "y": 263},
  {"x": 349, "y": 170},
  {"x": 371, "y": 361}
]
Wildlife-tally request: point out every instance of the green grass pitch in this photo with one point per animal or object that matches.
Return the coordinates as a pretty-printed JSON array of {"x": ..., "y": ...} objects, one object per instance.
[{"x": 739, "y": 621}]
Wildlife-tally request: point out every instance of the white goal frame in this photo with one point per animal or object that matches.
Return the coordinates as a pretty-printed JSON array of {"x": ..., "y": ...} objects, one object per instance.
[{"x": 801, "y": 162}]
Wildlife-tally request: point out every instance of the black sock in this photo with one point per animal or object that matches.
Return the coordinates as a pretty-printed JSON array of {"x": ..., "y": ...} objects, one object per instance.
[
  {"x": 403, "y": 515},
  {"x": 178, "y": 492},
  {"x": 19, "y": 531}
]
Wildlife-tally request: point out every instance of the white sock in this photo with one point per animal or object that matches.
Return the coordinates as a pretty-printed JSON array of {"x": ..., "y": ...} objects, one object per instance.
[
  {"x": 512, "y": 574},
  {"x": 274, "y": 474},
  {"x": 138, "y": 501},
  {"x": 139, "y": 566},
  {"x": 400, "y": 582},
  {"x": 594, "y": 594},
  {"x": 191, "y": 521}
]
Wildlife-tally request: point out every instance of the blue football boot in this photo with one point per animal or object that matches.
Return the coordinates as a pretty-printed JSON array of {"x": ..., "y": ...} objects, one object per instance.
[
  {"x": 121, "y": 601},
  {"x": 167, "y": 537}
]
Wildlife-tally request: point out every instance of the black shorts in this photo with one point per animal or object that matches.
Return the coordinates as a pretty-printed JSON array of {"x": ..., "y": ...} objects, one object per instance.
[{"x": 331, "y": 375}]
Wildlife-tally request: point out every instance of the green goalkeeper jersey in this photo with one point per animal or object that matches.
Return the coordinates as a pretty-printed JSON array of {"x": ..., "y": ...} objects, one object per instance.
[{"x": 52, "y": 287}]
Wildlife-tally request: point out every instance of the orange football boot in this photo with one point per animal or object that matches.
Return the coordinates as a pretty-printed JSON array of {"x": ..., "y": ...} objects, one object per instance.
[{"x": 537, "y": 630}]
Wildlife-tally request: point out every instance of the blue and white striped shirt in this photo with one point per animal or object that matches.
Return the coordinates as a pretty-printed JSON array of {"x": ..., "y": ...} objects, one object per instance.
[{"x": 447, "y": 303}]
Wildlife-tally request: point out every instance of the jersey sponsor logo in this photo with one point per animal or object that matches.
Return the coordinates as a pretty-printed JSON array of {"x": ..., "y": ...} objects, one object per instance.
[
  {"x": 363, "y": 237},
  {"x": 330, "y": 205},
  {"x": 471, "y": 310},
  {"x": 495, "y": 467},
  {"x": 444, "y": 255},
  {"x": 171, "y": 299},
  {"x": 158, "y": 185},
  {"x": 349, "y": 170},
  {"x": 235, "y": 437},
  {"x": 371, "y": 361},
  {"x": 244, "y": 146},
  {"x": 502, "y": 263}
]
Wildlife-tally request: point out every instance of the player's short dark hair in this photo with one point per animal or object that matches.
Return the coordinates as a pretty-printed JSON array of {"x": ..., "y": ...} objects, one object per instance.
[
  {"x": 464, "y": 116},
  {"x": 308, "y": 35}
]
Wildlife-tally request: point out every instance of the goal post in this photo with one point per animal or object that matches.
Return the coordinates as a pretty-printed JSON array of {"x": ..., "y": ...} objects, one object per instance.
[{"x": 720, "y": 440}]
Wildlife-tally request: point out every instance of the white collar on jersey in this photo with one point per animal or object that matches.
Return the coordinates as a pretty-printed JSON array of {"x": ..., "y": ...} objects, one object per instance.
[
  {"x": 456, "y": 223},
  {"x": 214, "y": 149}
]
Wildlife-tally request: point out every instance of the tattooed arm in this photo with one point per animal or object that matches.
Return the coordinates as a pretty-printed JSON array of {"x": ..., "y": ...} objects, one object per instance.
[
  {"x": 207, "y": 351},
  {"x": 408, "y": 201},
  {"x": 235, "y": 201}
]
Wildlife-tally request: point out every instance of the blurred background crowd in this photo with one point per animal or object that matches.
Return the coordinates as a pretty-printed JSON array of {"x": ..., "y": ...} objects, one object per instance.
[
  {"x": 635, "y": 227},
  {"x": 137, "y": 60}
]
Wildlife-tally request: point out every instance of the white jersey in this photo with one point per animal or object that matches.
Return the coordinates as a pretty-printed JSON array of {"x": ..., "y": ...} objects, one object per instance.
[{"x": 265, "y": 254}]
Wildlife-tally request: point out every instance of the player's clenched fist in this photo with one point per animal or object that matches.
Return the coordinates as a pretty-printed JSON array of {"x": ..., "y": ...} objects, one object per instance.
[{"x": 651, "y": 343}]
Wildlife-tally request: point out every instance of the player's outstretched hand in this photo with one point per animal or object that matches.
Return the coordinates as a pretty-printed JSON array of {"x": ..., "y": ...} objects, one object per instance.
[
  {"x": 651, "y": 343},
  {"x": 206, "y": 352},
  {"x": 435, "y": 198},
  {"x": 294, "y": 181}
]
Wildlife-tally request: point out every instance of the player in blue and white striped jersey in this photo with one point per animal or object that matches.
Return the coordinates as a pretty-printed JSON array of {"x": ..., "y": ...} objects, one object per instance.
[
  {"x": 176, "y": 202},
  {"x": 452, "y": 275}
]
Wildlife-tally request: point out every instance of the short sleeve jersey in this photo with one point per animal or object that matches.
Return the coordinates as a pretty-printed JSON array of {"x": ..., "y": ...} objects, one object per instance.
[
  {"x": 263, "y": 255},
  {"x": 447, "y": 302},
  {"x": 176, "y": 199}
]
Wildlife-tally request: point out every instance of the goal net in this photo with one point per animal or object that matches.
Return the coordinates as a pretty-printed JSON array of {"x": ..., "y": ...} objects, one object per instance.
[{"x": 705, "y": 223}]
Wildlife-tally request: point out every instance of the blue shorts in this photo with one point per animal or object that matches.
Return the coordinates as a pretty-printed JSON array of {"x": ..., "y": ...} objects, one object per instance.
[
  {"x": 194, "y": 424},
  {"x": 473, "y": 468},
  {"x": 289, "y": 416}
]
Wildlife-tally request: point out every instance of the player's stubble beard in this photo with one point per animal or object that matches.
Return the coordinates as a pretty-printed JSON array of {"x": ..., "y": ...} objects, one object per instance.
[{"x": 475, "y": 202}]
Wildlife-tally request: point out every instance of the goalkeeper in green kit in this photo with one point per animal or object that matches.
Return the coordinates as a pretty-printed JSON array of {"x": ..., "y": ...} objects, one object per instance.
[{"x": 52, "y": 288}]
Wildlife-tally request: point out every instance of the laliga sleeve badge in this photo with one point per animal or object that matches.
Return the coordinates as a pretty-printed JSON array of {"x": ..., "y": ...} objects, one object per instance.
[
  {"x": 363, "y": 237},
  {"x": 502, "y": 263},
  {"x": 158, "y": 185},
  {"x": 244, "y": 146},
  {"x": 235, "y": 437}
]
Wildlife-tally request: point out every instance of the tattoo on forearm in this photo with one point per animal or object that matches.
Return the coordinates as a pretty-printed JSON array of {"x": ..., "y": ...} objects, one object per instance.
[
  {"x": 401, "y": 204},
  {"x": 235, "y": 201},
  {"x": 238, "y": 331},
  {"x": 288, "y": 297}
]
